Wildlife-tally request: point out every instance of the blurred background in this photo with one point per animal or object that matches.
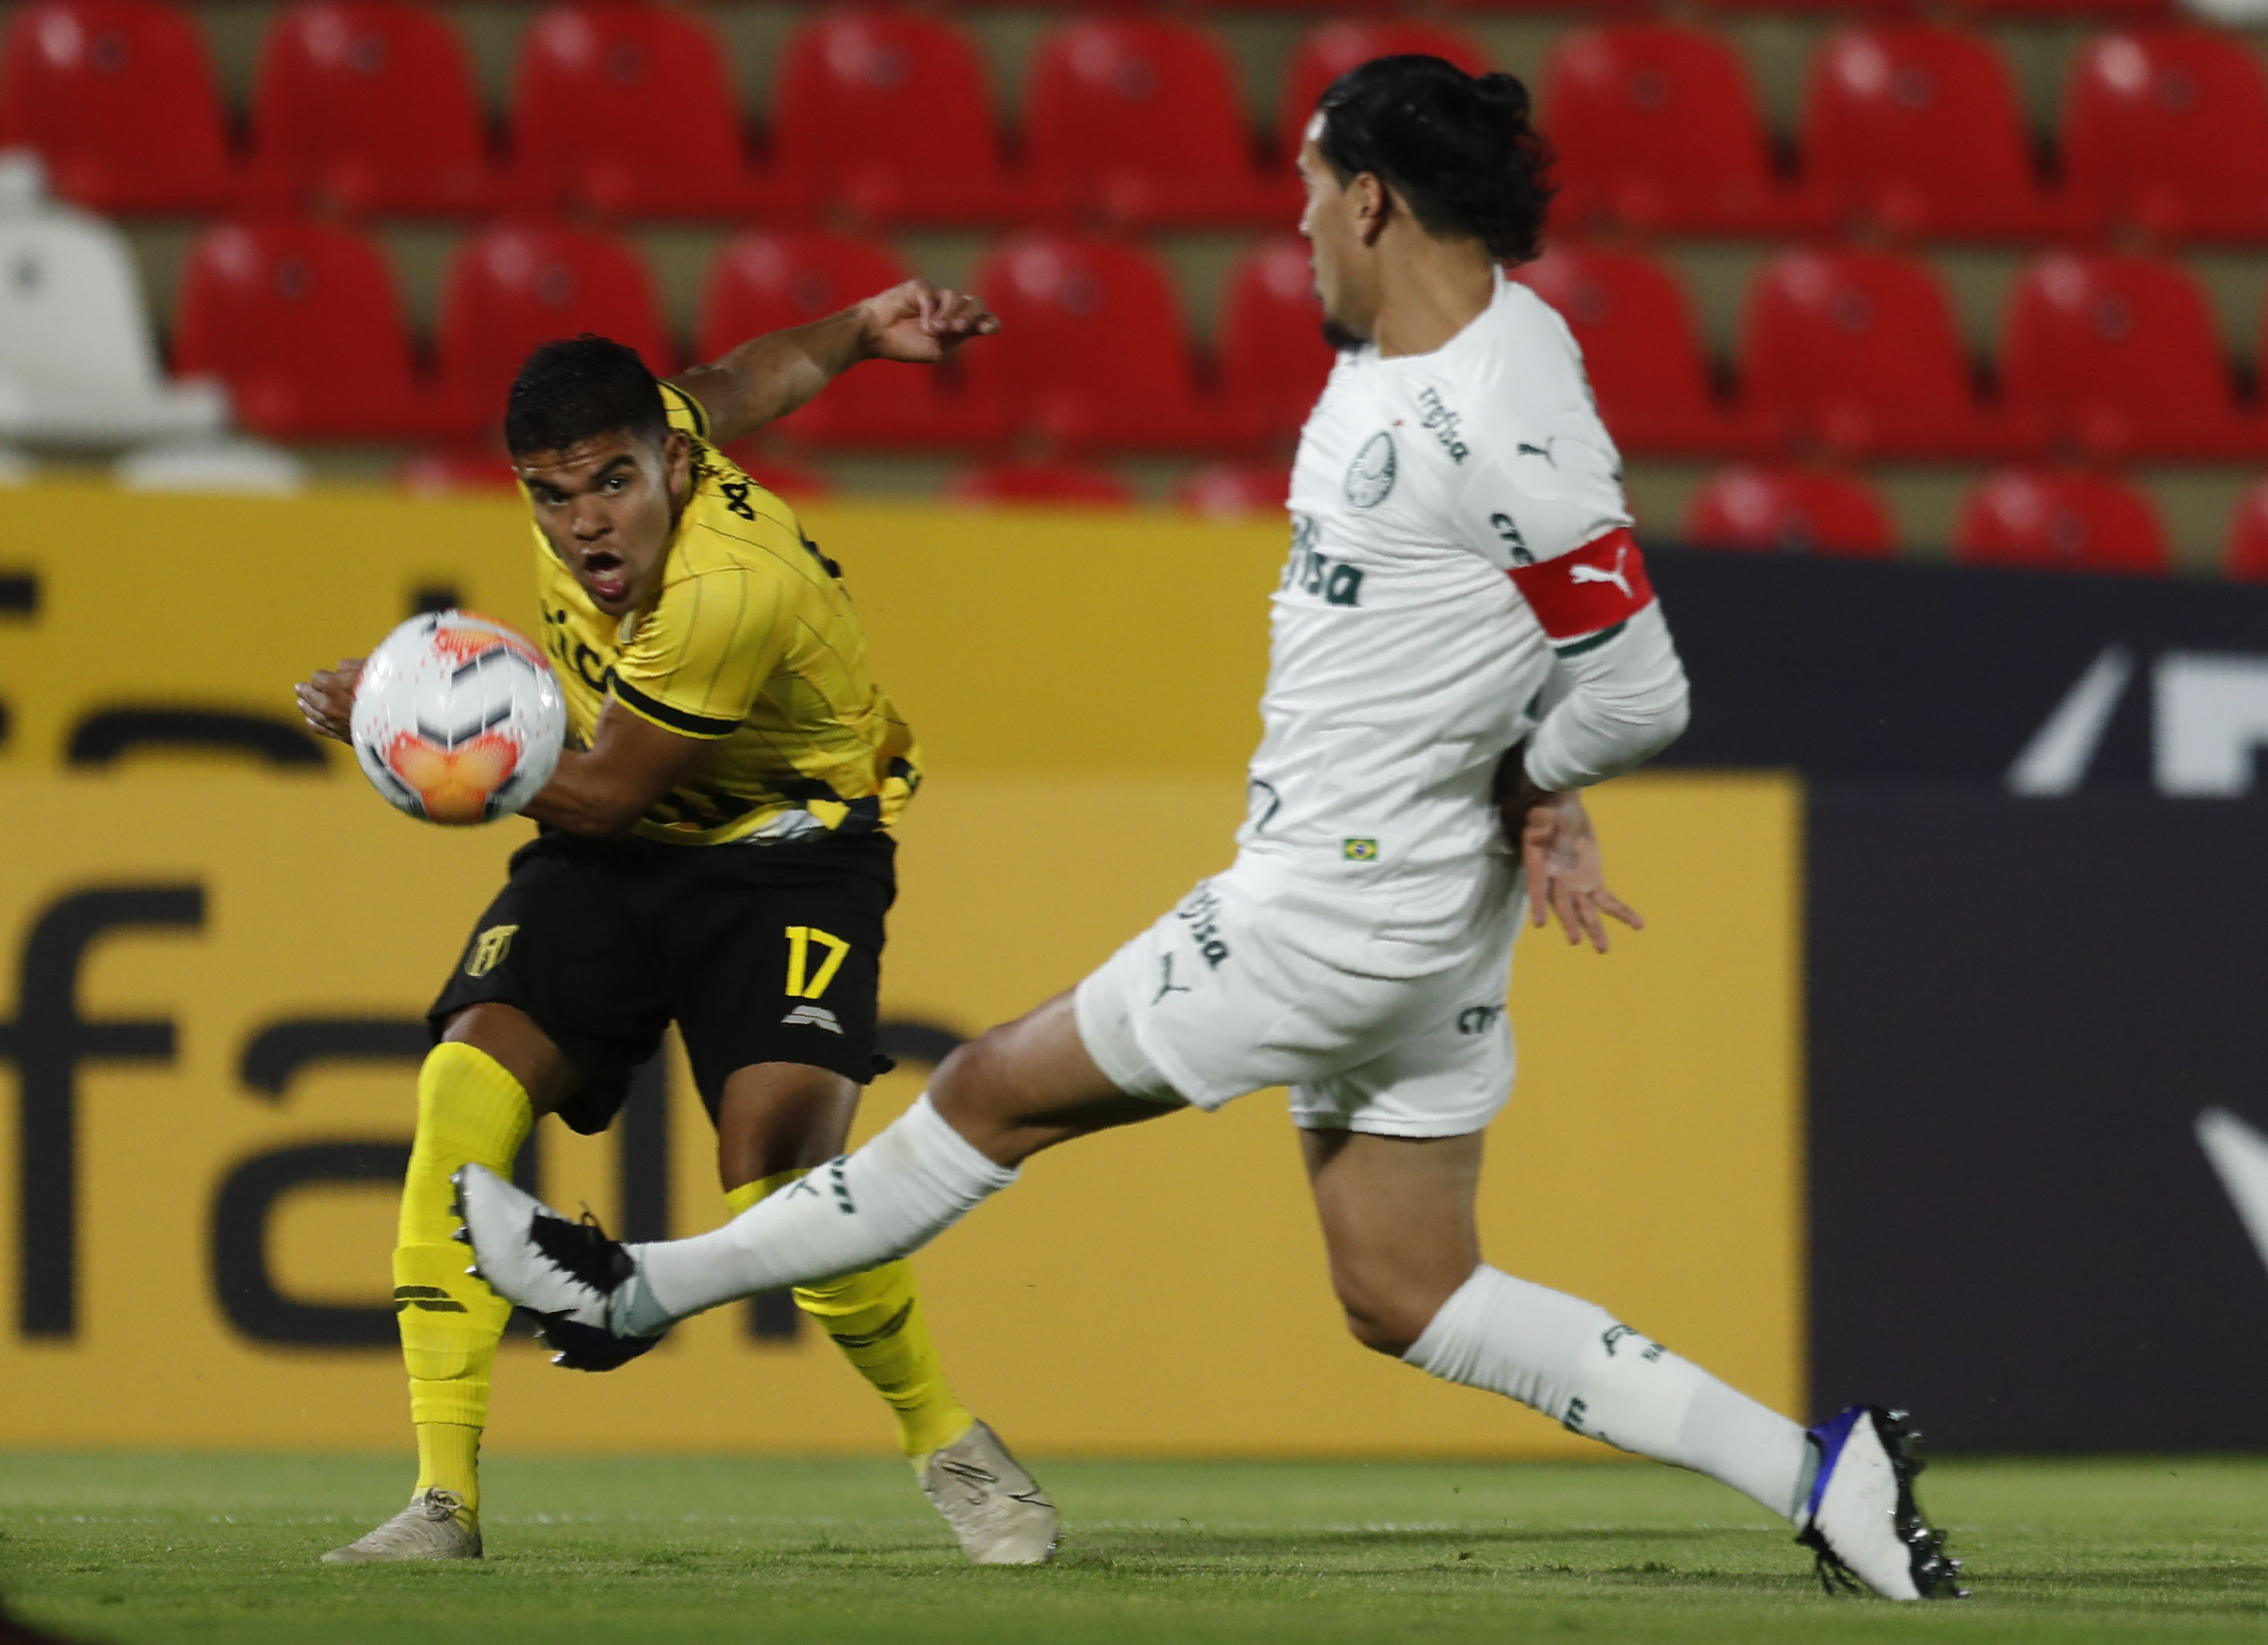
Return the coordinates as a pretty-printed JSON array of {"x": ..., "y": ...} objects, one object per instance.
[
  {"x": 1934, "y": 338},
  {"x": 1880, "y": 279}
]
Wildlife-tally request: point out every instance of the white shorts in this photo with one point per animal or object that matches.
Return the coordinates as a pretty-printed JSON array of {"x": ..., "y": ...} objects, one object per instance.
[{"x": 1378, "y": 1000}]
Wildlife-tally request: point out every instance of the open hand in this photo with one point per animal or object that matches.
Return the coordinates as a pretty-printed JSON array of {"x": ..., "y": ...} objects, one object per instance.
[
  {"x": 1560, "y": 850},
  {"x": 921, "y": 323},
  {"x": 327, "y": 699}
]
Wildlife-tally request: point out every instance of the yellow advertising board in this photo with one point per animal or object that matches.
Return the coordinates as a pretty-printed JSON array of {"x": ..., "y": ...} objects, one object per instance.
[
  {"x": 210, "y": 1043},
  {"x": 211, "y": 974},
  {"x": 1109, "y": 644}
]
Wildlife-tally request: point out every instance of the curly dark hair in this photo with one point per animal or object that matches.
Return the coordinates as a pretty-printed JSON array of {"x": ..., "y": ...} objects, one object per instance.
[
  {"x": 1459, "y": 149},
  {"x": 577, "y": 387}
]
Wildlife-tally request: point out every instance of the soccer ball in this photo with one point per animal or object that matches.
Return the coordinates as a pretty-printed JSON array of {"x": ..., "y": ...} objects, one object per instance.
[{"x": 457, "y": 719}]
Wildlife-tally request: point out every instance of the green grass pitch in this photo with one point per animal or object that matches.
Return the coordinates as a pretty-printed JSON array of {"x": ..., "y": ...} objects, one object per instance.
[{"x": 188, "y": 1548}]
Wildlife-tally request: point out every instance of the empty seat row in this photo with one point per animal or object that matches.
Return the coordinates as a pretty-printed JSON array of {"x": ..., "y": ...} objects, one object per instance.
[
  {"x": 2019, "y": 518},
  {"x": 1855, "y": 353},
  {"x": 1914, "y": 130},
  {"x": 626, "y": 107},
  {"x": 1850, "y": 352},
  {"x": 302, "y": 321}
]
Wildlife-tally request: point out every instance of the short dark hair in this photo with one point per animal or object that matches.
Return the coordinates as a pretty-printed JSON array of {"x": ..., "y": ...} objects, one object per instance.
[
  {"x": 578, "y": 389},
  {"x": 1458, "y": 148}
]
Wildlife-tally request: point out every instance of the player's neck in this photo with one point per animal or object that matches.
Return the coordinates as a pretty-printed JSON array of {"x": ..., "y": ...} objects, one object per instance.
[{"x": 1429, "y": 291}]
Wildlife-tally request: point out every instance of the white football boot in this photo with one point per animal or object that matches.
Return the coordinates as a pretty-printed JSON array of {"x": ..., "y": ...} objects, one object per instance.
[
  {"x": 998, "y": 1510},
  {"x": 563, "y": 1272},
  {"x": 1862, "y": 1522},
  {"x": 428, "y": 1528}
]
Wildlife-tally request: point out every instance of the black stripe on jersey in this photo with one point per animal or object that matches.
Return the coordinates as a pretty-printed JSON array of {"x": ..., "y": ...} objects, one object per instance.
[
  {"x": 693, "y": 407},
  {"x": 1589, "y": 642},
  {"x": 675, "y": 718}
]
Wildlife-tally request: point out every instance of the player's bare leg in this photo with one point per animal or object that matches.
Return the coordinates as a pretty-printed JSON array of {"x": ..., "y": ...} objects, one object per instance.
[
  {"x": 774, "y": 1122},
  {"x": 1030, "y": 1084},
  {"x": 479, "y": 1092},
  {"x": 1398, "y": 1224}
]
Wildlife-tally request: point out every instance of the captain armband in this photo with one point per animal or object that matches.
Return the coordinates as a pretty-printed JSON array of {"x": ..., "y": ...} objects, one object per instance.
[{"x": 1583, "y": 599}]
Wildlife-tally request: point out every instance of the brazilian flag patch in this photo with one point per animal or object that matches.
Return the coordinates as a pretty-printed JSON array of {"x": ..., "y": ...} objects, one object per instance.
[{"x": 1360, "y": 850}]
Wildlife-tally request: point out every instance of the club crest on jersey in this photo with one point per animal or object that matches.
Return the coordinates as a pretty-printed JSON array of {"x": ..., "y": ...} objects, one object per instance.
[{"x": 1372, "y": 478}]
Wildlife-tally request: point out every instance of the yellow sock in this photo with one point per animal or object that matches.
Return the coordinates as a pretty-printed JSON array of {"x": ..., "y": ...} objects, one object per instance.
[
  {"x": 468, "y": 1110},
  {"x": 875, "y": 1318}
]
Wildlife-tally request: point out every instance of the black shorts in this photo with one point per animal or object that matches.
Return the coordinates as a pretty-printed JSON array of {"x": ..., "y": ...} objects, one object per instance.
[{"x": 759, "y": 953}]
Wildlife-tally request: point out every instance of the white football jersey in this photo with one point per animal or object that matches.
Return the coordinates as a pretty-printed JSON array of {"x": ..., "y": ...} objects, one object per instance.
[{"x": 1405, "y": 660}]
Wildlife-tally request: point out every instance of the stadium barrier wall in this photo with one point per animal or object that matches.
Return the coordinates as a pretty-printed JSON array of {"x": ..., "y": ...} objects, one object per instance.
[
  {"x": 217, "y": 974},
  {"x": 2026, "y": 889}
]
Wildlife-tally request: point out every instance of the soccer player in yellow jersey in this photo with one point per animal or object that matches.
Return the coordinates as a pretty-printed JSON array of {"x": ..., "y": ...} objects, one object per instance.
[{"x": 714, "y": 851}]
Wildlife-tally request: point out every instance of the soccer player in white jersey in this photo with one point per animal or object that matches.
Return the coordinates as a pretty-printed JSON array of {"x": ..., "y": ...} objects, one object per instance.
[{"x": 1464, "y": 639}]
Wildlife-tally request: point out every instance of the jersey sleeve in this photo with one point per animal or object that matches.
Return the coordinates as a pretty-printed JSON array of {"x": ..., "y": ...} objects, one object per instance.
[
  {"x": 685, "y": 412},
  {"x": 1560, "y": 533},
  {"x": 701, "y": 657}
]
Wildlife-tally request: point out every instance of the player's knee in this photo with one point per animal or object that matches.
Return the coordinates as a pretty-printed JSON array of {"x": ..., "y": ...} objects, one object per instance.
[
  {"x": 1378, "y": 1319},
  {"x": 966, "y": 1085}
]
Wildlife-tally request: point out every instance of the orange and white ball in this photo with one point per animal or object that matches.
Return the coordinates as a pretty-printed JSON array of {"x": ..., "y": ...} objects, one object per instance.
[{"x": 457, "y": 719}]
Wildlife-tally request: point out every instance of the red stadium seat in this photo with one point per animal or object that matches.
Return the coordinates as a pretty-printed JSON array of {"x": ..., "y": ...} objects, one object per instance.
[
  {"x": 1092, "y": 351},
  {"x": 1042, "y": 484},
  {"x": 760, "y": 282},
  {"x": 302, "y": 321},
  {"x": 2246, "y": 558},
  {"x": 2117, "y": 356},
  {"x": 2168, "y": 129},
  {"x": 1273, "y": 359},
  {"x": 1136, "y": 119},
  {"x": 368, "y": 105},
  {"x": 625, "y": 107},
  {"x": 1780, "y": 506},
  {"x": 886, "y": 113},
  {"x": 515, "y": 285},
  {"x": 1915, "y": 126},
  {"x": 118, "y": 97},
  {"x": 1855, "y": 350},
  {"x": 2046, "y": 519},
  {"x": 1235, "y": 491},
  {"x": 1656, "y": 128},
  {"x": 1630, "y": 316},
  {"x": 1329, "y": 49}
]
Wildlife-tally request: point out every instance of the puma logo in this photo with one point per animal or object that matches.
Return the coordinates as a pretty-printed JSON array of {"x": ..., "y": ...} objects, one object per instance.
[{"x": 1593, "y": 574}]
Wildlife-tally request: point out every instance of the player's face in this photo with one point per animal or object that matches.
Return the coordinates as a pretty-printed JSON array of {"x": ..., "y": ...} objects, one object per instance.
[
  {"x": 1333, "y": 225},
  {"x": 608, "y": 505}
]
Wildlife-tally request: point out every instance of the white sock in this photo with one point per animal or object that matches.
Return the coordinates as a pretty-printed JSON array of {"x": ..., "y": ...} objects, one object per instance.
[
  {"x": 894, "y": 1196},
  {"x": 1574, "y": 1362}
]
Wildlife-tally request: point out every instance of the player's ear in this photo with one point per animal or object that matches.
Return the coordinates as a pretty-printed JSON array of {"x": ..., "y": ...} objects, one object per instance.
[
  {"x": 677, "y": 464},
  {"x": 1374, "y": 205}
]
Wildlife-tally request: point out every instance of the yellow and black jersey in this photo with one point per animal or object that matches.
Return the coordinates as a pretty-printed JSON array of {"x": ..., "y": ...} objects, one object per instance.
[{"x": 751, "y": 644}]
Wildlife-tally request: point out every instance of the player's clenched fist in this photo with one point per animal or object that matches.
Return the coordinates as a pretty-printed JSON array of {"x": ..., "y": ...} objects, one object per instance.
[
  {"x": 327, "y": 699},
  {"x": 921, "y": 323}
]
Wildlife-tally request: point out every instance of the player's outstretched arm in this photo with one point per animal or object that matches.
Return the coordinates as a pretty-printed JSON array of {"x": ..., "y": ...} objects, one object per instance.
[
  {"x": 631, "y": 764},
  {"x": 768, "y": 376}
]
